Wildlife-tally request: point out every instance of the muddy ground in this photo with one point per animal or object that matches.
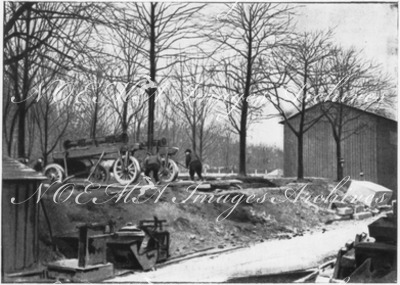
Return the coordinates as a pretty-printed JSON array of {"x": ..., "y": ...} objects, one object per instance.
[{"x": 195, "y": 224}]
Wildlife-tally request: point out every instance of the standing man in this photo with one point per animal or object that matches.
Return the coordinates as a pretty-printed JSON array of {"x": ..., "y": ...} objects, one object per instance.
[
  {"x": 152, "y": 163},
  {"x": 194, "y": 164}
]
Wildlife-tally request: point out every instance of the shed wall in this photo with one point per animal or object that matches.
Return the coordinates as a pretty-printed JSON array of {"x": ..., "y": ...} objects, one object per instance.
[
  {"x": 19, "y": 226},
  {"x": 387, "y": 154},
  {"x": 359, "y": 150}
]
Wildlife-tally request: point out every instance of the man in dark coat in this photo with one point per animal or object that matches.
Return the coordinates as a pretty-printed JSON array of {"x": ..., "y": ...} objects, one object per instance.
[
  {"x": 152, "y": 163},
  {"x": 194, "y": 164}
]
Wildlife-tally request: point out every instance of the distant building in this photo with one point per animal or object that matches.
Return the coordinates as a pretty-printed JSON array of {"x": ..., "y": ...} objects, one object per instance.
[
  {"x": 19, "y": 225},
  {"x": 370, "y": 148}
]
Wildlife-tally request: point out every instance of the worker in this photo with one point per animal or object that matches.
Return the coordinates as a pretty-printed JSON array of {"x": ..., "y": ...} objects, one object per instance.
[
  {"x": 38, "y": 165},
  {"x": 194, "y": 164},
  {"x": 152, "y": 163}
]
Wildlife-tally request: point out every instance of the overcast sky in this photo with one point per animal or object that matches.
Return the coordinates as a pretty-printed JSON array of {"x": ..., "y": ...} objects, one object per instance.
[{"x": 368, "y": 27}]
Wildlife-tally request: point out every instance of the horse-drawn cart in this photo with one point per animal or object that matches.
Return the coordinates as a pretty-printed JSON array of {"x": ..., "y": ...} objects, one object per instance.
[{"x": 94, "y": 159}]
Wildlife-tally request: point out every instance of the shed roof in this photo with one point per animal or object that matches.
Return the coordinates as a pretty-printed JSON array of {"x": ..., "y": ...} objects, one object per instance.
[
  {"x": 295, "y": 114},
  {"x": 14, "y": 170}
]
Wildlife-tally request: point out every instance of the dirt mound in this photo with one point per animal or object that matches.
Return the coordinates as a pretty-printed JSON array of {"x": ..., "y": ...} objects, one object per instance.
[
  {"x": 255, "y": 182},
  {"x": 192, "y": 217}
]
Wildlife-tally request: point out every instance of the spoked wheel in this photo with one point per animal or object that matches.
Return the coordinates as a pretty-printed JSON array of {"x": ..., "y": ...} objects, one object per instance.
[
  {"x": 54, "y": 172},
  {"x": 169, "y": 171},
  {"x": 101, "y": 174},
  {"x": 126, "y": 170}
]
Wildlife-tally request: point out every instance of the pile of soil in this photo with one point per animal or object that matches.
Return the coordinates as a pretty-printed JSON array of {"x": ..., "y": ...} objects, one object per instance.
[
  {"x": 196, "y": 220},
  {"x": 254, "y": 182}
]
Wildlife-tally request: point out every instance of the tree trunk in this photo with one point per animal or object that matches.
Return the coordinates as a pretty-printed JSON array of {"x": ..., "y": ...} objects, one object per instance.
[
  {"x": 300, "y": 163},
  {"x": 10, "y": 141},
  {"x": 124, "y": 117},
  {"x": 21, "y": 129},
  {"x": 338, "y": 139},
  {"x": 94, "y": 122},
  {"x": 194, "y": 146},
  {"x": 31, "y": 134},
  {"x": 242, "y": 143},
  {"x": 15, "y": 116},
  {"x": 151, "y": 91},
  {"x": 46, "y": 134},
  {"x": 138, "y": 126},
  {"x": 150, "y": 125},
  {"x": 194, "y": 123},
  {"x": 339, "y": 170},
  {"x": 227, "y": 162},
  {"x": 245, "y": 106},
  {"x": 201, "y": 142},
  {"x": 25, "y": 90}
]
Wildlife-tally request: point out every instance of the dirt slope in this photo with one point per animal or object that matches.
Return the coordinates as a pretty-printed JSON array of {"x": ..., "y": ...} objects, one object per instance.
[{"x": 192, "y": 221}]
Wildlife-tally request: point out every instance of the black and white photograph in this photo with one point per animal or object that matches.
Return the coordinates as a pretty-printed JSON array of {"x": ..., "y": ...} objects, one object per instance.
[{"x": 199, "y": 142}]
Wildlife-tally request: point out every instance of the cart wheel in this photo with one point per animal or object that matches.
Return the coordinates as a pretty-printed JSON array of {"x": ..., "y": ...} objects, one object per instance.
[
  {"x": 101, "y": 174},
  {"x": 54, "y": 172},
  {"x": 126, "y": 174},
  {"x": 168, "y": 173}
]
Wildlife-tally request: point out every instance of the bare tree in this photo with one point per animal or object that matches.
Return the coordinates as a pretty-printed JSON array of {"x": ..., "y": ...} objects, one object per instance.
[
  {"x": 10, "y": 113},
  {"x": 51, "y": 116},
  {"x": 91, "y": 114},
  {"x": 301, "y": 62},
  {"x": 169, "y": 122},
  {"x": 127, "y": 107},
  {"x": 228, "y": 93},
  {"x": 188, "y": 96},
  {"x": 51, "y": 111},
  {"x": 163, "y": 26},
  {"x": 126, "y": 44},
  {"x": 46, "y": 22},
  {"x": 53, "y": 31},
  {"x": 352, "y": 82},
  {"x": 249, "y": 33}
]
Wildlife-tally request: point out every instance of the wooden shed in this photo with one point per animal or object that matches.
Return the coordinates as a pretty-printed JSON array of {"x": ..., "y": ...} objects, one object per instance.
[
  {"x": 19, "y": 222},
  {"x": 370, "y": 151}
]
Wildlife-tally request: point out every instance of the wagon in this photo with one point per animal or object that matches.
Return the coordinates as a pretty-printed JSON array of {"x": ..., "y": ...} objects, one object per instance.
[{"x": 94, "y": 159}]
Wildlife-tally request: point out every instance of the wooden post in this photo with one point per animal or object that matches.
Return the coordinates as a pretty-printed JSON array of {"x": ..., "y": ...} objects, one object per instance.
[{"x": 83, "y": 246}]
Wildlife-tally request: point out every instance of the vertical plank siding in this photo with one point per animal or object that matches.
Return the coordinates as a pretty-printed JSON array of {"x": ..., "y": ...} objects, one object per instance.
[
  {"x": 359, "y": 150},
  {"x": 19, "y": 226},
  {"x": 386, "y": 153},
  {"x": 371, "y": 150}
]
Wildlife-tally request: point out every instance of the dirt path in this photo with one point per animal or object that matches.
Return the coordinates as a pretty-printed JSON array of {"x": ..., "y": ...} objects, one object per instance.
[{"x": 272, "y": 257}]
